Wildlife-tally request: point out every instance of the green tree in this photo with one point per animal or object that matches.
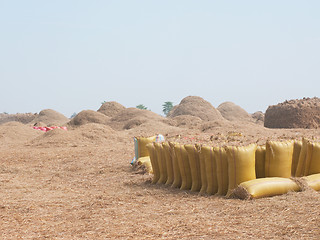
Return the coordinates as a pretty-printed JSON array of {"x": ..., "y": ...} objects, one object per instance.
[
  {"x": 141, "y": 106},
  {"x": 166, "y": 107},
  {"x": 73, "y": 115}
]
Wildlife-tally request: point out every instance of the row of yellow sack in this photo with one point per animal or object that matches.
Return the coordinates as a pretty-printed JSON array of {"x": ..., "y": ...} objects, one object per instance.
[{"x": 259, "y": 170}]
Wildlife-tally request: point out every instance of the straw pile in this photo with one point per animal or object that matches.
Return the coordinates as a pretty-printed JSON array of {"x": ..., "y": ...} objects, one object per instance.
[
  {"x": 50, "y": 118},
  {"x": 133, "y": 117},
  {"x": 89, "y": 116},
  {"x": 233, "y": 112},
  {"x": 198, "y": 107},
  {"x": 111, "y": 109},
  {"x": 19, "y": 117},
  {"x": 303, "y": 113}
]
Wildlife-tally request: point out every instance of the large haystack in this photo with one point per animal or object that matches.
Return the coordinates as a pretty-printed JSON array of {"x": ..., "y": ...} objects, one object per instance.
[
  {"x": 303, "y": 113},
  {"x": 19, "y": 117},
  {"x": 133, "y": 117},
  {"x": 233, "y": 112},
  {"x": 111, "y": 109},
  {"x": 50, "y": 117},
  {"x": 89, "y": 116},
  {"x": 198, "y": 107}
]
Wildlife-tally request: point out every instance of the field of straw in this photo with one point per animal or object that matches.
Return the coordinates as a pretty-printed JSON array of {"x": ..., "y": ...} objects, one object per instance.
[{"x": 79, "y": 184}]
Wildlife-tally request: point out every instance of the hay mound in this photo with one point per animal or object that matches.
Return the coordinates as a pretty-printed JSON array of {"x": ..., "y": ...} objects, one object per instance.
[
  {"x": 84, "y": 135},
  {"x": 16, "y": 132},
  {"x": 186, "y": 121},
  {"x": 233, "y": 112},
  {"x": 132, "y": 117},
  {"x": 150, "y": 128},
  {"x": 258, "y": 117},
  {"x": 196, "y": 106},
  {"x": 19, "y": 117},
  {"x": 111, "y": 109},
  {"x": 89, "y": 116},
  {"x": 213, "y": 125},
  {"x": 50, "y": 118},
  {"x": 303, "y": 113}
]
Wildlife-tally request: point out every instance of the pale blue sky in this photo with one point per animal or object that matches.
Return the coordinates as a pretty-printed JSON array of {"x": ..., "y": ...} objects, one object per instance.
[{"x": 72, "y": 55}]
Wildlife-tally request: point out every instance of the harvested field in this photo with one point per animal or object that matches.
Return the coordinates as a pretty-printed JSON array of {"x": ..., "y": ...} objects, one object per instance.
[{"x": 79, "y": 185}]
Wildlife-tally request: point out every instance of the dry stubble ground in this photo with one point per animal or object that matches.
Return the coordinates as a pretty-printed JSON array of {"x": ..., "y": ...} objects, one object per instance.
[{"x": 91, "y": 192}]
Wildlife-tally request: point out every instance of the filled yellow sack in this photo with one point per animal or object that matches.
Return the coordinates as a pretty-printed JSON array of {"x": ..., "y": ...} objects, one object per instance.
[
  {"x": 221, "y": 159},
  {"x": 161, "y": 162},
  {"x": 146, "y": 162},
  {"x": 177, "y": 181},
  {"x": 313, "y": 158},
  {"x": 203, "y": 173},
  {"x": 194, "y": 162},
  {"x": 301, "y": 166},
  {"x": 265, "y": 187},
  {"x": 154, "y": 162},
  {"x": 278, "y": 159},
  {"x": 142, "y": 143},
  {"x": 207, "y": 154},
  {"x": 313, "y": 181},
  {"x": 260, "y": 161},
  {"x": 241, "y": 165},
  {"x": 184, "y": 166},
  {"x": 295, "y": 156},
  {"x": 168, "y": 156}
]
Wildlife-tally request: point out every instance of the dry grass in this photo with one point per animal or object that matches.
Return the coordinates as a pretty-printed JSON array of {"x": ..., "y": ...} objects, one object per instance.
[{"x": 92, "y": 193}]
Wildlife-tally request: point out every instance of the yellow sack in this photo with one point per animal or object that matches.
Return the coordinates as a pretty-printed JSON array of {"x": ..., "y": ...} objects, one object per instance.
[
  {"x": 211, "y": 169},
  {"x": 301, "y": 166},
  {"x": 145, "y": 161},
  {"x": 184, "y": 166},
  {"x": 241, "y": 165},
  {"x": 203, "y": 173},
  {"x": 295, "y": 156},
  {"x": 260, "y": 161},
  {"x": 177, "y": 181},
  {"x": 265, "y": 187},
  {"x": 313, "y": 181},
  {"x": 313, "y": 158},
  {"x": 221, "y": 158},
  {"x": 278, "y": 159},
  {"x": 169, "y": 163},
  {"x": 162, "y": 163},
  {"x": 142, "y": 143},
  {"x": 154, "y": 162},
  {"x": 194, "y": 162}
]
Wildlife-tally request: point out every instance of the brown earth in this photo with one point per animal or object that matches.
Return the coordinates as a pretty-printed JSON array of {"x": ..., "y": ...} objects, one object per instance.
[
  {"x": 78, "y": 184},
  {"x": 302, "y": 113}
]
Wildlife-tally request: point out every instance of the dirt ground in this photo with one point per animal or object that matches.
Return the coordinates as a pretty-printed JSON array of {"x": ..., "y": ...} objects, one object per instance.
[{"x": 88, "y": 190}]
